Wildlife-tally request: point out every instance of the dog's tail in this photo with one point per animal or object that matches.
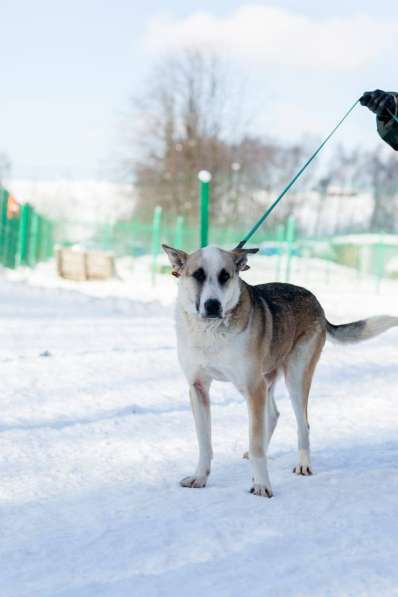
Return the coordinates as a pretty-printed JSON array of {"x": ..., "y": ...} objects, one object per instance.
[{"x": 360, "y": 330}]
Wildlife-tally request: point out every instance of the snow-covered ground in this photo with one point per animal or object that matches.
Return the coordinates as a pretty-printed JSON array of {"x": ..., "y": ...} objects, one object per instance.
[
  {"x": 96, "y": 431},
  {"x": 135, "y": 282}
]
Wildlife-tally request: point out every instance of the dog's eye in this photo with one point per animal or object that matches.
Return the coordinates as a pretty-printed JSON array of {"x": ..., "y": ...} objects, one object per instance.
[
  {"x": 223, "y": 276},
  {"x": 199, "y": 275}
]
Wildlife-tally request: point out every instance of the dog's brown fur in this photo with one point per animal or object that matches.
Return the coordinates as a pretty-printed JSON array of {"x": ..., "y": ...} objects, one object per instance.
[{"x": 260, "y": 332}]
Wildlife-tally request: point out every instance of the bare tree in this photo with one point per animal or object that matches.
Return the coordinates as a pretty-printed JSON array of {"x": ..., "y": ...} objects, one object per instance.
[
  {"x": 267, "y": 167},
  {"x": 345, "y": 179},
  {"x": 321, "y": 188},
  {"x": 383, "y": 174},
  {"x": 192, "y": 116},
  {"x": 185, "y": 122}
]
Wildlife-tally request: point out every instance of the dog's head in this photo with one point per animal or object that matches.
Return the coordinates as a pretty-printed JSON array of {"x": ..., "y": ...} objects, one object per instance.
[{"x": 208, "y": 279}]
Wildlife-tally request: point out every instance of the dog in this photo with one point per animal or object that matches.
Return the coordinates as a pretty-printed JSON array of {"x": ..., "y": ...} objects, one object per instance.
[{"x": 228, "y": 330}]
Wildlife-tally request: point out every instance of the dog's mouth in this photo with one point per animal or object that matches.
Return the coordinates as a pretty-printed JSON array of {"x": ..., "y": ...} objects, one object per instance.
[{"x": 211, "y": 316}]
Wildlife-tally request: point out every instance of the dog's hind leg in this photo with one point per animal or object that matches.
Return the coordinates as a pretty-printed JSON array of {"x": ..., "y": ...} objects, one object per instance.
[
  {"x": 299, "y": 370},
  {"x": 200, "y": 402},
  {"x": 271, "y": 410},
  {"x": 256, "y": 396}
]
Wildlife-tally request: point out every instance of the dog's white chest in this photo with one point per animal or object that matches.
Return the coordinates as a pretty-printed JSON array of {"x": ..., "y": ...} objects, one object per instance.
[{"x": 213, "y": 350}]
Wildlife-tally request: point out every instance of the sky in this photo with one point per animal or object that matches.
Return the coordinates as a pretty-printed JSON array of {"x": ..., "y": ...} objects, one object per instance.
[{"x": 69, "y": 68}]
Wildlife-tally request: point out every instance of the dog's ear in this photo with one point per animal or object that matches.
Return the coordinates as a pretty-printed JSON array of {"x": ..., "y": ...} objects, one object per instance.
[
  {"x": 177, "y": 259},
  {"x": 240, "y": 258}
]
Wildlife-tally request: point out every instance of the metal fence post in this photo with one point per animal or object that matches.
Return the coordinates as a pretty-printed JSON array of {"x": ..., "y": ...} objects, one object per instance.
[
  {"x": 50, "y": 240},
  {"x": 107, "y": 237},
  {"x": 44, "y": 239},
  {"x": 280, "y": 235},
  {"x": 179, "y": 232},
  {"x": 23, "y": 234},
  {"x": 40, "y": 227},
  {"x": 380, "y": 262},
  {"x": 3, "y": 224},
  {"x": 157, "y": 216},
  {"x": 290, "y": 240},
  {"x": 204, "y": 196},
  {"x": 33, "y": 238},
  {"x": 12, "y": 249}
]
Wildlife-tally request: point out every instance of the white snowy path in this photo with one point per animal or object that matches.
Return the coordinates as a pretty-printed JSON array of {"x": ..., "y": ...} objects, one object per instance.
[{"x": 96, "y": 431}]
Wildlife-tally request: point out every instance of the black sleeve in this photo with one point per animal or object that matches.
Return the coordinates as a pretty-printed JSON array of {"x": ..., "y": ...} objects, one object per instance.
[{"x": 388, "y": 131}]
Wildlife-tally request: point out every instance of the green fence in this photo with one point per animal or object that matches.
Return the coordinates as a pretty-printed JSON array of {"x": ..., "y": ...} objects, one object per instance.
[
  {"x": 26, "y": 236},
  {"x": 367, "y": 253},
  {"x": 135, "y": 237}
]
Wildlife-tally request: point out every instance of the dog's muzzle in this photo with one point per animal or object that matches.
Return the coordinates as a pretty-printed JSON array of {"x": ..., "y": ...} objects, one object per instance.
[{"x": 213, "y": 308}]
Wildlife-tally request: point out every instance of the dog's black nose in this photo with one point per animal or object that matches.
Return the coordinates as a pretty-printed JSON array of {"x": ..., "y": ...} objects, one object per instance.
[{"x": 213, "y": 308}]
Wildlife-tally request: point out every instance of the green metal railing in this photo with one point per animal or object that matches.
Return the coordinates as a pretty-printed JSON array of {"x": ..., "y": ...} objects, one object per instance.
[
  {"x": 137, "y": 237},
  {"x": 26, "y": 236},
  {"x": 284, "y": 243}
]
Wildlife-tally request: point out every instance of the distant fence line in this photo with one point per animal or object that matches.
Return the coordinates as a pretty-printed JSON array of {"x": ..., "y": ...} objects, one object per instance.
[
  {"x": 135, "y": 237},
  {"x": 367, "y": 253},
  {"x": 26, "y": 236}
]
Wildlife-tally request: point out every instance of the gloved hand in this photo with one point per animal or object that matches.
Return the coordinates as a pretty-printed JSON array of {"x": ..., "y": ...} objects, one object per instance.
[{"x": 382, "y": 103}]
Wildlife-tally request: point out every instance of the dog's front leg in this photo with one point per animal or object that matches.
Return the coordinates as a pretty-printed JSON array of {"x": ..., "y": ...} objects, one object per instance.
[
  {"x": 256, "y": 401},
  {"x": 199, "y": 395}
]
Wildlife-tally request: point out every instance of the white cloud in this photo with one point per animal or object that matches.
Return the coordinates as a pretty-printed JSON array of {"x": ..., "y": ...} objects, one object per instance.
[{"x": 268, "y": 35}]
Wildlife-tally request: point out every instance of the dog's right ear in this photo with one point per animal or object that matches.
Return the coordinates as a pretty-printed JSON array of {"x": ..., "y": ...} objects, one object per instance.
[{"x": 177, "y": 259}]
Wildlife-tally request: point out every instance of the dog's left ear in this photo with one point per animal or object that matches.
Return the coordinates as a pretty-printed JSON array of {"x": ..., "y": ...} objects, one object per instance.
[
  {"x": 177, "y": 259},
  {"x": 240, "y": 258}
]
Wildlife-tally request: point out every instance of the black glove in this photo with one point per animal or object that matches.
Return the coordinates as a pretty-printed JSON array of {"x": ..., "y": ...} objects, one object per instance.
[{"x": 382, "y": 103}]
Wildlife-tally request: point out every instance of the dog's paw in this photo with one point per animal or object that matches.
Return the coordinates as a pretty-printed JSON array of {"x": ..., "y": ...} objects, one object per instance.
[
  {"x": 302, "y": 469},
  {"x": 261, "y": 490},
  {"x": 194, "y": 482},
  {"x": 304, "y": 466}
]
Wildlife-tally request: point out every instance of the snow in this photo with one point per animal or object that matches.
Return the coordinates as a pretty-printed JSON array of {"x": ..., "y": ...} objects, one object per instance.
[
  {"x": 366, "y": 239},
  {"x": 96, "y": 431},
  {"x": 134, "y": 280}
]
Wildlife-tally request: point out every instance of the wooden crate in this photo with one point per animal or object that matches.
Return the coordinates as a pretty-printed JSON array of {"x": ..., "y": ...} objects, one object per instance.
[
  {"x": 99, "y": 265},
  {"x": 80, "y": 265},
  {"x": 71, "y": 264}
]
